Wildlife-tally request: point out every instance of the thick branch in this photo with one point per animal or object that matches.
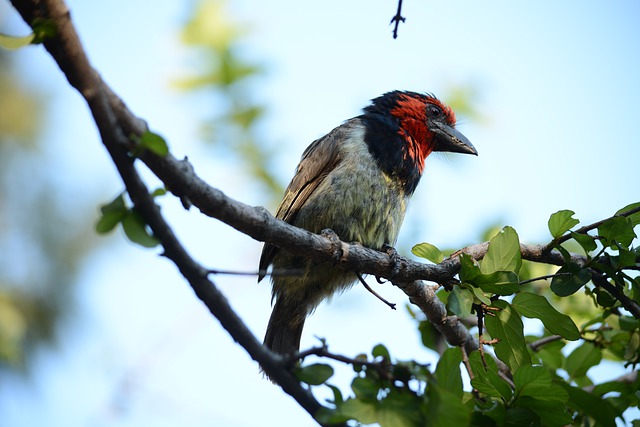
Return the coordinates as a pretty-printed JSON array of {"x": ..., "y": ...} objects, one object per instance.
[{"x": 66, "y": 49}]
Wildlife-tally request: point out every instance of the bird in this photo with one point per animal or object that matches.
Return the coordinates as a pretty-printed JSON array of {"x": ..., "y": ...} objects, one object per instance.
[{"x": 355, "y": 181}]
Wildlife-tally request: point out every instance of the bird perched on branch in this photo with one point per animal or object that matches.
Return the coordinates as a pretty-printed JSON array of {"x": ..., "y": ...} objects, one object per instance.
[{"x": 356, "y": 181}]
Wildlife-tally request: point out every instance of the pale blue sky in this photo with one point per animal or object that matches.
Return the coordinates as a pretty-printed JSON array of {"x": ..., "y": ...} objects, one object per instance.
[{"x": 559, "y": 96}]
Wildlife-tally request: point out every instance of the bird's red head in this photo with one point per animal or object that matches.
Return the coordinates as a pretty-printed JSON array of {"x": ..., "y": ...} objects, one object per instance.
[
  {"x": 403, "y": 128},
  {"x": 411, "y": 110}
]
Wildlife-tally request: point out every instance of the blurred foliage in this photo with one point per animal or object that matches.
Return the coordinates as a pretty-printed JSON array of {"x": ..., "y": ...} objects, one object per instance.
[
  {"x": 229, "y": 78},
  {"x": 41, "y": 242},
  {"x": 463, "y": 99}
]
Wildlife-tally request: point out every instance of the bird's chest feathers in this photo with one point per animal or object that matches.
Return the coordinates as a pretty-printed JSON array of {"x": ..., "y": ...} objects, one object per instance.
[{"x": 358, "y": 201}]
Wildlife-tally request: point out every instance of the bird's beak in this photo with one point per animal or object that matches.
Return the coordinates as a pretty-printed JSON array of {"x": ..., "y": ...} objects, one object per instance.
[{"x": 449, "y": 139}]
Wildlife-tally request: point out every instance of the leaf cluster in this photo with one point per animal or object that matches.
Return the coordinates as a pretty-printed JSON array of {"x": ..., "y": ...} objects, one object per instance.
[
  {"x": 537, "y": 379},
  {"x": 118, "y": 211}
]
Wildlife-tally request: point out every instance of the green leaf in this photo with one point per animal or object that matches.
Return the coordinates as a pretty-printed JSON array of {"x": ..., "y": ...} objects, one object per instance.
[
  {"x": 537, "y": 307},
  {"x": 445, "y": 409},
  {"x": 430, "y": 336},
  {"x": 354, "y": 409},
  {"x": 315, "y": 374},
  {"x": 561, "y": 222},
  {"x": 337, "y": 395},
  {"x": 594, "y": 406},
  {"x": 448, "y": 371},
  {"x": 365, "y": 388},
  {"x": 551, "y": 354},
  {"x": 394, "y": 411},
  {"x": 481, "y": 296},
  {"x": 503, "y": 253},
  {"x": 521, "y": 417},
  {"x": 460, "y": 301},
  {"x": 587, "y": 241},
  {"x": 108, "y": 221},
  {"x": 112, "y": 214},
  {"x": 136, "y": 230},
  {"x": 487, "y": 413},
  {"x": 604, "y": 298},
  {"x": 569, "y": 278},
  {"x": 617, "y": 229},
  {"x": 582, "y": 359},
  {"x": 401, "y": 410},
  {"x": 551, "y": 412},
  {"x": 628, "y": 323},
  {"x": 507, "y": 326},
  {"x": 154, "y": 143},
  {"x": 625, "y": 259},
  {"x": 160, "y": 191},
  {"x": 381, "y": 351},
  {"x": 491, "y": 384},
  {"x": 535, "y": 381},
  {"x": 469, "y": 269},
  {"x": 635, "y": 217},
  {"x": 428, "y": 251},
  {"x": 499, "y": 282},
  {"x": 43, "y": 28},
  {"x": 486, "y": 380},
  {"x": 12, "y": 42}
]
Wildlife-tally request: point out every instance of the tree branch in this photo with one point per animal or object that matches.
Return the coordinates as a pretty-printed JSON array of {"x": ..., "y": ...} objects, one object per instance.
[
  {"x": 66, "y": 49},
  {"x": 587, "y": 228}
]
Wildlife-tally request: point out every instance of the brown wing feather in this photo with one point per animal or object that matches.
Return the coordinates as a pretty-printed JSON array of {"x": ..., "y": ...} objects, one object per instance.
[{"x": 320, "y": 158}]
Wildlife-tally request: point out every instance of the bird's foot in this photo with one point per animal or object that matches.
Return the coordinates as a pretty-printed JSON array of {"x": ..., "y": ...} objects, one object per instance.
[
  {"x": 395, "y": 263},
  {"x": 336, "y": 245}
]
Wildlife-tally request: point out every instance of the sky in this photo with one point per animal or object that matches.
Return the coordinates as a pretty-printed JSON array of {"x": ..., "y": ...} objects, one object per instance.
[{"x": 558, "y": 100}]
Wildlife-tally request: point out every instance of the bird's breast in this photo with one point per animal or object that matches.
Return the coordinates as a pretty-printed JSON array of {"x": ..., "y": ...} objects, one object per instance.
[{"x": 356, "y": 199}]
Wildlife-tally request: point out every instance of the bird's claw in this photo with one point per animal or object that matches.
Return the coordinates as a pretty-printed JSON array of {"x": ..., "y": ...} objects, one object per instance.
[
  {"x": 336, "y": 244},
  {"x": 393, "y": 256}
]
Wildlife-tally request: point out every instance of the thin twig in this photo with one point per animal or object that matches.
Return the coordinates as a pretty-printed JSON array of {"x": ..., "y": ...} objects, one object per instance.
[
  {"x": 467, "y": 365},
  {"x": 367, "y": 287},
  {"x": 600, "y": 280},
  {"x": 383, "y": 367},
  {"x": 587, "y": 228},
  {"x": 548, "y": 276},
  {"x": 535, "y": 346},
  {"x": 397, "y": 19},
  {"x": 480, "y": 313}
]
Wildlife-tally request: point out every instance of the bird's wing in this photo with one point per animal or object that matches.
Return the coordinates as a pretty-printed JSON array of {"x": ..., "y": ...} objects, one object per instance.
[{"x": 320, "y": 158}]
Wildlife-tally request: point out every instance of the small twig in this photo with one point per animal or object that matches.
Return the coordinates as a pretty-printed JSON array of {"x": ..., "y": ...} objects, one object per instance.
[
  {"x": 587, "y": 228},
  {"x": 480, "y": 313},
  {"x": 628, "y": 378},
  {"x": 383, "y": 367},
  {"x": 397, "y": 19},
  {"x": 600, "y": 280},
  {"x": 535, "y": 346},
  {"x": 548, "y": 276},
  {"x": 465, "y": 361},
  {"x": 367, "y": 287}
]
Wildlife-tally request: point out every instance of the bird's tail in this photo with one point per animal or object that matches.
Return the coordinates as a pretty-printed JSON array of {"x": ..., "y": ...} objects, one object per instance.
[{"x": 285, "y": 326}]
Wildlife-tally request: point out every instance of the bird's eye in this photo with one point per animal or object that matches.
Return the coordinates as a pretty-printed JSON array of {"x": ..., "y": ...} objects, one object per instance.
[{"x": 434, "y": 111}]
